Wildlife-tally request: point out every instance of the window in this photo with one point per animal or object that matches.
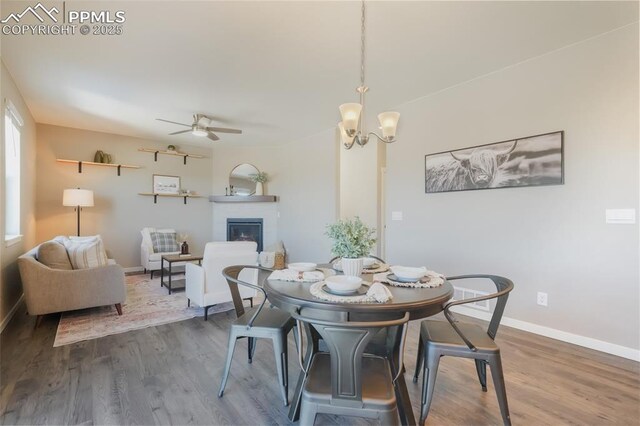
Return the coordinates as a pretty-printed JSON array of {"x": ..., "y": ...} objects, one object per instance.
[{"x": 12, "y": 124}]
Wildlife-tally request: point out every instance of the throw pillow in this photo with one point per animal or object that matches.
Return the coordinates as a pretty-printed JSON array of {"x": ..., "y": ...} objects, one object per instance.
[
  {"x": 54, "y": 255},
  {"x": 164, "y": 242},
  {"x": 84, "y": 255}
]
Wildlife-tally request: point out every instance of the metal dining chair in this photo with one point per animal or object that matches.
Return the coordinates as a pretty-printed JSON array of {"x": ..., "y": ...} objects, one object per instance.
[
  {"x": 346, "y": 381},
  {"x": 453, "y": 338},
  {"x": 259, "y": 322}
]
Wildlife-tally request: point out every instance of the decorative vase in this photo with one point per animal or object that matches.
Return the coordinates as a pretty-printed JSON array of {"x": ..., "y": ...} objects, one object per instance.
[
  {"x": 184, "y": 248},
  {"x": 259, "y": 188},
  {"x": 352, "y": 266}
]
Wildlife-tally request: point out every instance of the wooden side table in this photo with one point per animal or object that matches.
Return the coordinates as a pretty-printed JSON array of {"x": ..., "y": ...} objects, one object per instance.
[{"x": 170, "y": 270}]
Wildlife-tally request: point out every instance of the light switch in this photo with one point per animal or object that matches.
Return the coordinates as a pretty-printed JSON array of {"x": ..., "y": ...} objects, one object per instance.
[
  {"x": 621, "y": 216},
  {"x": 396, "y": 215}
]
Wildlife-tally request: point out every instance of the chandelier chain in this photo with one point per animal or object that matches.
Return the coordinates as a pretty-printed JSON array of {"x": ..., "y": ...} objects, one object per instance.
[{"x": 362, "y": 35}]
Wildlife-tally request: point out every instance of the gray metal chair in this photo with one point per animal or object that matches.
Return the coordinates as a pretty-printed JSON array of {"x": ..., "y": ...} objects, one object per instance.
[
  {"x": 453, "y": 338},
  {"x": 254, "y": 323},
  {"x": 347, "y": 381}
]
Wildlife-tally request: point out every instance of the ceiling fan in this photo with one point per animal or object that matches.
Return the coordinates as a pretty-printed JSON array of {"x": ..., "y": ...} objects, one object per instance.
[{"x": 201, "y": 126}]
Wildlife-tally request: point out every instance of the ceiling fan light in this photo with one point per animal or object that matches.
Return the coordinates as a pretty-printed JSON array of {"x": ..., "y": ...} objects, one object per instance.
[
  {"x": 350, "y": 116},
  {"x": 199, "y": 132},
  {"x": 389, "y": 123}
]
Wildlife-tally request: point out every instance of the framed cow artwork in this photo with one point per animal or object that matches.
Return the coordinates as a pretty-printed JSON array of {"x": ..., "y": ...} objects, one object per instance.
[{"x": 531, "y": 161}]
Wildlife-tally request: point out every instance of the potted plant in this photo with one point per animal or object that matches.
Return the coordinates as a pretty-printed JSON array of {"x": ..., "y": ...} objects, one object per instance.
[
  {"x": 259, "y": 178},
  {"x": 352, "y": 241}
]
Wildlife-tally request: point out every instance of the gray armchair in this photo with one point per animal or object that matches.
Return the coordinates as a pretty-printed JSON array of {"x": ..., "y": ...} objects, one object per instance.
[{"x": 48, "y": 290}]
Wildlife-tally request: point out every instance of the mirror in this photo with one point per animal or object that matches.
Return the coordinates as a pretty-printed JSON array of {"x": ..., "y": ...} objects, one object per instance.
[{"x": 240, "y": 179}]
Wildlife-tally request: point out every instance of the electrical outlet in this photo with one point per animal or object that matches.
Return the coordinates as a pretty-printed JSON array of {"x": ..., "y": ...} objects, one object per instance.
[{"x": 542, "y": 298}]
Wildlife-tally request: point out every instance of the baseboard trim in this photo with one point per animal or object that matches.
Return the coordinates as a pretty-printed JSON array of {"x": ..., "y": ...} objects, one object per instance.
[
  {"x": 11, "y": 313},
  {"x": 133, "y": 269},
  {"x": 576, "y": 339}
]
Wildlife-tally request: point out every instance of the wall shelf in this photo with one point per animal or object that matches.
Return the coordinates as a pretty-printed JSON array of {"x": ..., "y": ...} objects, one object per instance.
[
  {"x": 184, "y": 155},
  {"x": 81, "y": 163},
  {"x": 155, "y": 196},
  {"x": 243, "y": 198}
]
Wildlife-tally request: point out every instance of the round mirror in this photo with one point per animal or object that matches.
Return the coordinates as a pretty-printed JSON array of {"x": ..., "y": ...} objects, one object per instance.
[{"x": 240, "y": 182}]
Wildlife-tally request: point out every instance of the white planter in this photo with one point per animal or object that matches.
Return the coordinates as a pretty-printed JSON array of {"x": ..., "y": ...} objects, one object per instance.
[
  {"x": 259, "y": 188},
  {"x": 352, "y": 267}
]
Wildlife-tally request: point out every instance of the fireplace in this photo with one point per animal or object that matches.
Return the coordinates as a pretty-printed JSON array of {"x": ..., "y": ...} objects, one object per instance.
[{"x": 245, "y": 230}]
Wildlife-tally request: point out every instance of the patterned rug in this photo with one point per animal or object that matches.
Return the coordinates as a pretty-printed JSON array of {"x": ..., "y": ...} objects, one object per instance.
[{"x": 147, "y": 305}]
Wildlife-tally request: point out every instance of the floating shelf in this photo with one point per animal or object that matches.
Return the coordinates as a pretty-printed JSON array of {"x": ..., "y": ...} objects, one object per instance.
[
  {"x": 155, "y": 153},
  {"x": 243, "y": 198},
  {"x": 155, "y": 196},
  {"x": 91, "y": 163}
]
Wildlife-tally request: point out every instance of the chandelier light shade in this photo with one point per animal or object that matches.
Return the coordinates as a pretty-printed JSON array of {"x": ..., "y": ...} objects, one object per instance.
[
  {"x": 350, "y": 117},
  {"x": 389, "y": 123},
  {"x": 346, "y": 139},
  {"x": 352, "y": 126}
]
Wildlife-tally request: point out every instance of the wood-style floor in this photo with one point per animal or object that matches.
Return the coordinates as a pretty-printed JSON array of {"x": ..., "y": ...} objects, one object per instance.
[{"x": 170, "y": 375}]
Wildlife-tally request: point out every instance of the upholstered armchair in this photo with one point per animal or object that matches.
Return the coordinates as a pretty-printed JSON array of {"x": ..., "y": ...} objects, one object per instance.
[
  {"x": 206, "y": 286},
  {"x": 150, "y": 259}
]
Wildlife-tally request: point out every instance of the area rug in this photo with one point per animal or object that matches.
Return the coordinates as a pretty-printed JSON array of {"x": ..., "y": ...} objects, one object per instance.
[{"x": 147, "y": 305}]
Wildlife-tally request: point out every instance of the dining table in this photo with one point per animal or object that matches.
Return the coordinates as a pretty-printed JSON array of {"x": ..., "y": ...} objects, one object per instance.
[{"x": 419, "y": 303}]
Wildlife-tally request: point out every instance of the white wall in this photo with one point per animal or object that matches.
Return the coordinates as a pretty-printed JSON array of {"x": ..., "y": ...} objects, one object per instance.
[
  {"x": 552, "y": 239},
  {"x": 119, "y": 213},
  {"x": 10, "y": 287},
  {"x": 304, "y": 175}
]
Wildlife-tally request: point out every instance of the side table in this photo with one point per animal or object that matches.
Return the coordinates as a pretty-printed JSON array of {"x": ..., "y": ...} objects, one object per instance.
[{"x": 170, "y": 270}]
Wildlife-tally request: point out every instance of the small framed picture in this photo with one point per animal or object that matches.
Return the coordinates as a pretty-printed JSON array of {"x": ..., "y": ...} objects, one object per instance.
[{"x": 164, "y": 184}]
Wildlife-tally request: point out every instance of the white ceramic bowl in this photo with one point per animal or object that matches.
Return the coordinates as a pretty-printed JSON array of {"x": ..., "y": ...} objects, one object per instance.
[
  {"x": 368, "y": 262},
  {"x": 303, "y": 266},
  {"x": 343, "y": 283},
  {"x": 409, "y": 273}
]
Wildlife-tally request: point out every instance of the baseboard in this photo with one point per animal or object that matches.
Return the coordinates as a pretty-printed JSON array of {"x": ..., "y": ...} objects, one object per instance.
[
  {"x": 133, "y": 269},
  {"x": 576, "y": 339},
  {"x": 11, "y": 313}
]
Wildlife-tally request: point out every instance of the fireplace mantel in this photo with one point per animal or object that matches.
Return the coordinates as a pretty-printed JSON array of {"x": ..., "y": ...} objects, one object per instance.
[{"x": 243, "y": 198}]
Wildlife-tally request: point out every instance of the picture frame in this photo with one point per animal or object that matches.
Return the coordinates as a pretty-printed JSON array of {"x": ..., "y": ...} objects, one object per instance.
[
  {"x": 529, "y": 161},
  {"x": 166, "y": 184}
]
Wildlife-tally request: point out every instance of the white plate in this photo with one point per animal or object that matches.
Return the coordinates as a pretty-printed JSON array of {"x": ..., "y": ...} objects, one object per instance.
[
  {"x": 409, "y": 273},
  {"x": 343, "y": 283},
  {"x": 303, "y": 266}
]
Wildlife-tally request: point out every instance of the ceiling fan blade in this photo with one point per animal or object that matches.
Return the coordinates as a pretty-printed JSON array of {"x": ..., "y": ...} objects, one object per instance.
[
  {"x": 181, "y": 131},
  {"x": 173, "y": 122},
  {"x": 213, "y": 136},
  {"x": 224, "y": 130}
]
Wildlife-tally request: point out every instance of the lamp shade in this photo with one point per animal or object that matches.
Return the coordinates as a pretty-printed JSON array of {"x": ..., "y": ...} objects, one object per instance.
[
  {"x": 343, "y": 134},
  {"x": 389, "y": 123},
  {"x": 350, "y": 116},
  {"x": 77, "y": 197}
]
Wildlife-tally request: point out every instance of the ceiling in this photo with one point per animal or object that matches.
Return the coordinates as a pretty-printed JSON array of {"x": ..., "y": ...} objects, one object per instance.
[{"x": 278, "y": 70}]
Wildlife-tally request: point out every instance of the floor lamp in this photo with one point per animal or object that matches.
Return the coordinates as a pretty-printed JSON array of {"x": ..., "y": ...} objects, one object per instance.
[{"x": 77, "y": 198}]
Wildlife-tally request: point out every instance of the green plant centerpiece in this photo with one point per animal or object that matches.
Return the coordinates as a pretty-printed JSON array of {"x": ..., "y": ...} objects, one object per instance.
[{"x": 352, "y": 241}]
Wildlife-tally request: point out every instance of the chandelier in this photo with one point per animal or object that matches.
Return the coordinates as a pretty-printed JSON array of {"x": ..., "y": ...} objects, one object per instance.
[{"x": 351, "y": 127}]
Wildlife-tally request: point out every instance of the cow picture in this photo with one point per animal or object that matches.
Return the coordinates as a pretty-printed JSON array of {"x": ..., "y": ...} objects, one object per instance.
[{"x": 532, "y": 161}]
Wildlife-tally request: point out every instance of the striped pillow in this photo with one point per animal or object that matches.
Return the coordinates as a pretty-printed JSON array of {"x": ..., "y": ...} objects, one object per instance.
[
  {"x": 164, "y": 242},
  {"x": 86, "y": 254}
]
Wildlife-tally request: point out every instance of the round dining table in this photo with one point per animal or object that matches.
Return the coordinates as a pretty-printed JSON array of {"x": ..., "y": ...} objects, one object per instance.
[{"x": 295, "y": 297}]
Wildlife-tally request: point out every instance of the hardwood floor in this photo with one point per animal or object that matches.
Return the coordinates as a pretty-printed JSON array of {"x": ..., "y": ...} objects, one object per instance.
[{"x": 170, "y": 375}]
